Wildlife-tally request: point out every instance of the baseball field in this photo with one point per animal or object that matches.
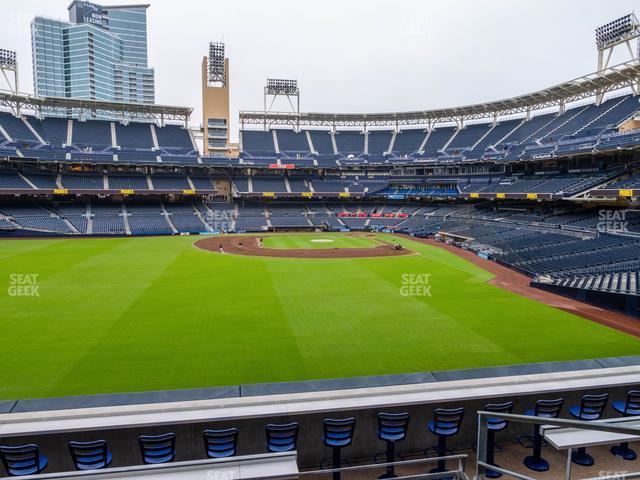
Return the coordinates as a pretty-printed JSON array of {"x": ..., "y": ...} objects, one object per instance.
[{"x": 86, "y": 316}]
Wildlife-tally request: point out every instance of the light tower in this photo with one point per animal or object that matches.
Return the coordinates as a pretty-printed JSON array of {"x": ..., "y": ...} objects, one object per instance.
[
  {"x": 215, "y": 100},
  {"x": 622, "y": 31},
  {"x": 9, "y": 68},
  {"x": 276, "y": 88}
]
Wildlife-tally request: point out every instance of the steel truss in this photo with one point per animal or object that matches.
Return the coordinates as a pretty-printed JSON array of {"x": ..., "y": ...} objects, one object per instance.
[
  {"x": 594, "y": 85},
  {"x": 126, "y": 111}
]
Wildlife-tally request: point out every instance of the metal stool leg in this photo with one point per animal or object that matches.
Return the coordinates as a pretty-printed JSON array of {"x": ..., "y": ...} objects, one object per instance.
[
  {"x": 536, "y": 462},
  {"x": 391, "y": 455},
  {"x": 336, "y": 462},
  {"x": 491, "y": 441},
  {"x": 442, "y": 451},
  {"x": 581, "y": 457}
]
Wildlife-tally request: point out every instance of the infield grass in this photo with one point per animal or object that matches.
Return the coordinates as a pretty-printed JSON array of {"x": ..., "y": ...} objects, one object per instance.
[
  {"x": 134, "y": 314},
  {"x": 319, "y": 240}
]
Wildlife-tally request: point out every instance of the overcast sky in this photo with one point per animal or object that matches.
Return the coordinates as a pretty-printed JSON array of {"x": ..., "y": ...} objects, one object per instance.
[{"x": 357, "y": 56}]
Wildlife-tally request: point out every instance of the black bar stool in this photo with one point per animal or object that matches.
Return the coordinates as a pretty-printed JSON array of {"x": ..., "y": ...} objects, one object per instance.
[
  {"x": 546, "y": 409},
  {"x": 90, "y": 455},
  {"x": 282, "y": 437},
  {"x": 392, "y": 428},
  {"x": 627, "y": 408},
  {"x": 591, "y": 408},
  {"x": 23, "y": 460},
  {"x": 338, "y": 433},
  {"x": 495, "y": 425},
  {"x": 221, "y": 443},
  {"x": 446, "y": 423},
  {"x": 157, "y": 448}
]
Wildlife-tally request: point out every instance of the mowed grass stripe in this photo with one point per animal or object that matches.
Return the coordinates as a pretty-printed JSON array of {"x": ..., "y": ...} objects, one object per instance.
[
  {"x": 371, "y": 329},
  {"x": 137, "y": 314},
  {"x": 78, "y": 303},
  {"x": 193, "y": 337}
]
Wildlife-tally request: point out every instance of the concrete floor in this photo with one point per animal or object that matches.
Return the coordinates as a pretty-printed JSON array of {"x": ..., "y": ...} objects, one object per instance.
[{"x": 511, "y": 457}]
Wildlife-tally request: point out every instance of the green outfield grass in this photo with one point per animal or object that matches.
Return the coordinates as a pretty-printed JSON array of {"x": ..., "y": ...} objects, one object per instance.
[
  {"x": 133, "y": 314},
  {"x": 318, "y": 240}
]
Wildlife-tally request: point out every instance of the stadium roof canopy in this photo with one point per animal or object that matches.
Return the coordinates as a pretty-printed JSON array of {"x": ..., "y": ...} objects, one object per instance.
[
  {"x": 624, "y": 75},
  {"x": 125, "y": 111}
]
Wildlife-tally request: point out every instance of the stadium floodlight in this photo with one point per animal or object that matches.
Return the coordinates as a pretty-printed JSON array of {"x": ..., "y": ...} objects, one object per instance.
[
  {"x": 279, "y": 86},
  {"x": 620, "y": 31},
  {"x": 9, "y": 68},
  {"x": 617, "y": 31},
  {"x": 216, "y": 73},
  {"x": 8, "y": 59}
]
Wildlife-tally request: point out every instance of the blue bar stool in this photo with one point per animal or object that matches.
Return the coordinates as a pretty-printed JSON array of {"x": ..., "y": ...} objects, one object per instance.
[
  {"x": 446, "y": 423},
  {"x": 158, "y": 448},
  {"x": 337, "y": 434},
  {"x": 627, "y": 408},
  {"x": 591, "y": 408},
  {"x": 282, "y": 437},
  {"x": 392, "y": 428},
  {"x": 22, "y": 460},
  {"x": 90, "y": 455},
  {"x": 495, "y": 425},
  {"x": 546, "y": 409},
  {"x": 221, "y": 443}
]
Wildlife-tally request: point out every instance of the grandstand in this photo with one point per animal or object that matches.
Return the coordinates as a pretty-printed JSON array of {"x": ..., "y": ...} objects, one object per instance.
[{"x": 536, "y": 193}]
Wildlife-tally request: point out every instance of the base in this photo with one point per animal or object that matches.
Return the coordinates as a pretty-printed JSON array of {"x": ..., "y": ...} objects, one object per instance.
[
  {"x": 623, "y": 452},
  {"x": 536, "y": 464},
  {"x": 582, "y": 458}
]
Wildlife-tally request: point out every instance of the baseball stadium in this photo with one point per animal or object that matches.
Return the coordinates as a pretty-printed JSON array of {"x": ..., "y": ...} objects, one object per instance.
[{"x": 427, "y": 294}]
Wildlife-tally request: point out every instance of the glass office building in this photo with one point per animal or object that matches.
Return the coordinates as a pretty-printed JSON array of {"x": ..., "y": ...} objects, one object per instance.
[{"x": 99, "y": 54}]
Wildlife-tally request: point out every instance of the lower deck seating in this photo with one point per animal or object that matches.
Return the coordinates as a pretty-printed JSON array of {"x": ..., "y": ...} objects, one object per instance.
[
  {"x": 250, "y": 223},
  {"x": 572, "y": 244},
  {"x": 149, "y": 224},
  {"x": 108, "y": 224}
]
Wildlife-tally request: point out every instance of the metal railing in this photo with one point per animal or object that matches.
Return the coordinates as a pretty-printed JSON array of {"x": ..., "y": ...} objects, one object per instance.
[
  {"x": 601, "y": 426},
  {"x": 457, "y": 473}
]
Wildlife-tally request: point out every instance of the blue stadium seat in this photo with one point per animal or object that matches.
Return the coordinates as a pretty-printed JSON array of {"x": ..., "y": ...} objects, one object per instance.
[
  {"x": 22, "y": 460},
  {"x": 495, "y": 425},
  {"x": 282, "y": 437},
  {"x": 337, "y": 434},
  {"x": 392, "y": 428},
  {"x": 258, "y": 143},
  {"x": 17, "y": 129},
  {"x": 174, "y": 137},
  {"x": 94, "y": 133},
  {"x": 134, "y": 135},
  {"x": 90, "y": 455},
  {"x": 221, "y": 443},
  {"x": 446, "y": 423},
  {"x": 547, "y": 409},
  {"x": 627, "y": 408},
  {"x": 591, "y": 408},
  {"x": 158, "y": 448}
]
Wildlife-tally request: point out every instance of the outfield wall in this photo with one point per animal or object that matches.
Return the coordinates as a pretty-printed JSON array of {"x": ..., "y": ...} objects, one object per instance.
[{"x": 618, "y": 302}]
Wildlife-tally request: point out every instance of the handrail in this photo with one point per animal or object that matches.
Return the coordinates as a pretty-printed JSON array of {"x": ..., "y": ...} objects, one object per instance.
[
  {"x": 603, "y": 425},
  {"x": 458, "y": 473}
]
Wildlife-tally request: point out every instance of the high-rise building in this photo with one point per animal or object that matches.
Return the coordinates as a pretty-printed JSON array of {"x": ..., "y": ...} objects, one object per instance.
[{"x": 99, "y": 54}]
